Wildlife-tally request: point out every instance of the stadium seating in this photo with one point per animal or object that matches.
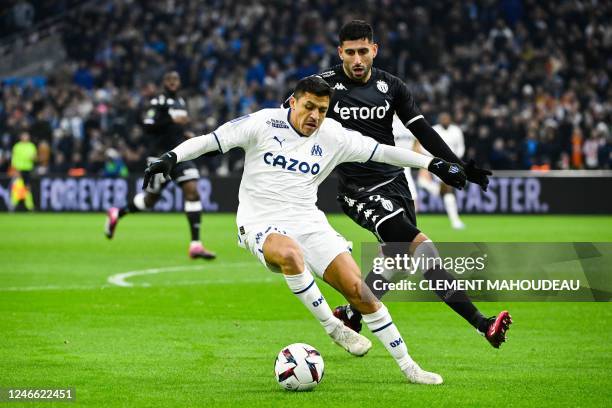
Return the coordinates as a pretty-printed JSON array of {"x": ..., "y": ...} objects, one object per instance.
[{"x": 526, "y": 93}]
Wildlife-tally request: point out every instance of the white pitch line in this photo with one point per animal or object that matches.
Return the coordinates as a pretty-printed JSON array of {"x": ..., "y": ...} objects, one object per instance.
[
  {"x": 119, "y": 279},
  {"x": 215, "y": 282},
  {"x": 145, "y": 285},
  {"x": 51, "y": 287}
]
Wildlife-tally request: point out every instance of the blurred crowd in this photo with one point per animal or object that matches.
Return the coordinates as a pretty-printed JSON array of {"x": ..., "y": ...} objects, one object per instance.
[{"x": 527, "y": 81}]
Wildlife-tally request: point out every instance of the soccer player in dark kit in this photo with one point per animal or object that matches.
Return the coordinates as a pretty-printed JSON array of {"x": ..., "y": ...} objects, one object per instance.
[
  {"x": 164, "y": 123},
  {"x": 376, "y": 195}
]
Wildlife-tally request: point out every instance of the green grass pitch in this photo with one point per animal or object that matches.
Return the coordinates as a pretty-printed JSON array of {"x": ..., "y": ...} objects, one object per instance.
[{"x": 207, "y": 333}]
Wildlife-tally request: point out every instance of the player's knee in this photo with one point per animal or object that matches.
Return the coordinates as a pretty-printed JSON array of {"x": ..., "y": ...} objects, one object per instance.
[
  {"x": 190, "y": 192},
  {"x": 149, "y": 200},
  {"x": 193, "y": 196},
  {"x": 426, "y": 247},
  {"x": 291, "y": 257},
  {"x": 353, "y": 292},
  {"x": 427, "y": 250},
  {"x": 418, "y": 240}
]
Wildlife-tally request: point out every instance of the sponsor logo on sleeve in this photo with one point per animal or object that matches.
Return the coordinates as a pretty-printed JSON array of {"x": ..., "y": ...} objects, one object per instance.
[{"x": 279, "y": 124}]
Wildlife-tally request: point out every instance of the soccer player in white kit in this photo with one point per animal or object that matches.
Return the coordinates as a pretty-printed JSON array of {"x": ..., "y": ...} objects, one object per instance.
[
  {"x": 453, "y": 137},
  {"x": 404, "y": 138},
  {"x": 288, "y": 153}
]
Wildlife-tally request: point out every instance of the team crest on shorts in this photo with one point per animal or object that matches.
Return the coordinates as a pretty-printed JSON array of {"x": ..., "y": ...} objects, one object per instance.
[
  {"x": 387, "y": 204},
  {"x": 382, "y": 86}
]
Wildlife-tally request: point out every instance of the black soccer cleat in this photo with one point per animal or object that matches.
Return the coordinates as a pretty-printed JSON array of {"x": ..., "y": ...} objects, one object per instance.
[
  {"x": 498, "y": 326},
  {"x": 349, "y": 318}
]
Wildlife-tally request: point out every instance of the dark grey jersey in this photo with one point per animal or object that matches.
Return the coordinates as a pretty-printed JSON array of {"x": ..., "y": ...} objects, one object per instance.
[
  {"x": 369, "y": 108},
  {"x": 162, "y": 133}
]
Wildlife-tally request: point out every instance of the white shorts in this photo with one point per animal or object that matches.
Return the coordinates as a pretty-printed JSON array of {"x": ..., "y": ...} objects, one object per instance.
[{"x": 319, "y": 242}]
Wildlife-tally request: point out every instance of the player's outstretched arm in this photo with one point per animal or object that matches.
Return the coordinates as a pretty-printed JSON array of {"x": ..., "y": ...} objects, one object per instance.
[
  {"x": 188, "y": 150},
  {"x": 450, "y": 173},
  {"x": 433, "y": 143}
]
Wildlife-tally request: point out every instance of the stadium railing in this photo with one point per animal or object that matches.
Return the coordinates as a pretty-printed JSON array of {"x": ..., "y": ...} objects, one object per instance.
[{"x": 510, "y": 192}]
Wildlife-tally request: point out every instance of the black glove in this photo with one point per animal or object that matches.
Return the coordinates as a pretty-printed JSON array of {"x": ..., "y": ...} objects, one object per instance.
[
  {"x": 477, "y": 175},
  {"x": 450, "y": 173},
  {"x": 162, "y": 165}
]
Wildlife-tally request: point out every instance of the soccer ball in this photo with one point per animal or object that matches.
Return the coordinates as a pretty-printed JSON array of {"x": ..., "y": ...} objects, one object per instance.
[{"x": 298, "y": 367}]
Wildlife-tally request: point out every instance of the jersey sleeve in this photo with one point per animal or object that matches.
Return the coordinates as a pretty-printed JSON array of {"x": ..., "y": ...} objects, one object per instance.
[
  {"x": 239, "y": 132},
  {"x": 460, "y": 143},
  {"x": 405, "y": 105},
  {"x": 355, "y": 147}
]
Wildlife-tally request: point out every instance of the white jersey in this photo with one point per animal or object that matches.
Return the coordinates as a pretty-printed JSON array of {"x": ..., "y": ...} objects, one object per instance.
[
  {"x": 453, "y": 137},
  {"x": 404, "y": 138},
  {"x": 402, "y": 135},
  {"x": 283, "y": 169}
]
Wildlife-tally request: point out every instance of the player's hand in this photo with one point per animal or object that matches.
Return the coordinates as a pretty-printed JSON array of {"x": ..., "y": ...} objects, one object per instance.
[
  {"x": 162, "y": 165},
  {"x": 477, "y": 175},
  {"x": 450, "y": 173}
]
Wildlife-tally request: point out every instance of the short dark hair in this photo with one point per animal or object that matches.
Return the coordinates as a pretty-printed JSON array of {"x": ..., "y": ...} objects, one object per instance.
[
  {"x": 313, "y": 84},
  {"x": 356, "y": 30}
]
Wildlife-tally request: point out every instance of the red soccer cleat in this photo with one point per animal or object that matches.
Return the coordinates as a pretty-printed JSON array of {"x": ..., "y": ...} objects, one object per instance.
[
  {"x": 496, "y": 332},
  {"x": 197, "y": 250},
  {"x": 112, "y": 217},
  {"x": 349, "y": 318}
]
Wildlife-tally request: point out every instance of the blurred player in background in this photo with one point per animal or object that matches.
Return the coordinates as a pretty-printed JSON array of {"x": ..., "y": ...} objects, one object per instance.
[
  {"x": 453, "y": 137},
  {"x": 376, "y": 195},
  {"x": 404, "y": 138},
  {"x": 23, "y": 157},
  {"x": 164, "y": 123}
]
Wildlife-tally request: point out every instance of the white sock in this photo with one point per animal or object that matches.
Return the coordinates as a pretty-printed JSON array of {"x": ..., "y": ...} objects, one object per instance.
[
  {"x": 450, "y": 203},
  {"x": 382, "y": 326},
  {"x": 305, "y": 288},
  {"x": 192, "y": 206},
  {"x": 139, "y": 202}
]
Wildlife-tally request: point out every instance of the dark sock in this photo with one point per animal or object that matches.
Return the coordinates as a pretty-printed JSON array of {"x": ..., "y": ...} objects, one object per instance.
[
  {"x": 369, "y": 281},
  {"x": 194, "y": 224},
  {"x": 457, "y": 300},
  {"x": 484, "y": 325},
  {"x": 389, "y": 249},
  {"x": 130, "y": 208}
]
